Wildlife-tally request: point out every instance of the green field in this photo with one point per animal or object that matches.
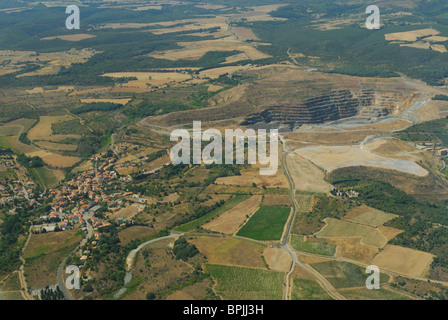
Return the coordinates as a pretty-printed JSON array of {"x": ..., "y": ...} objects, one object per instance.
[
  {"x": 11, "y": 284},
  {"x": 344, "y": 275},
  {"x": 46, "y": 176},
  {"x": 266, "y": 224},
  {"x": 366, "y": 294},
  {"x": 298, "y": 243},
  {"x": 237, "y": 283},
  {"x": 11, "y": 296},
  {"x": 308, "y": 290}
]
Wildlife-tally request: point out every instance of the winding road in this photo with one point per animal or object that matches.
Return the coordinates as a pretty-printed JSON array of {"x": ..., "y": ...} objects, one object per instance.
[{"x": 285, "y": 244}]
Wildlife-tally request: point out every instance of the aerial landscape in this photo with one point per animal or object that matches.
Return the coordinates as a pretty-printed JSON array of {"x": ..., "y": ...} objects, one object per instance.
[{"x": 350, "y": 125}]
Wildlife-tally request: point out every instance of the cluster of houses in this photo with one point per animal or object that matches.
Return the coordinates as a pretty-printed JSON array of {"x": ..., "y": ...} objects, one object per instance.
[
  {"x": 11, "y": 190},
  {"x": 344, "y": 194},
  {"x": 79, "y": 199},
  {"x": 441, "y": 151}
]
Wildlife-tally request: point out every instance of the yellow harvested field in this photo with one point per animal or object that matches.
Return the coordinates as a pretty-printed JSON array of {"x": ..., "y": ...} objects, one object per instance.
[
  {"x": 259, "y": 13},
  {"x": 216, "y": 72},
  {"x": 50, "y": 62},
  {"x": 210, "y": 6},
  {"x": 94, "y": 90},
  {"x": 351, "y": 248},
  {"x": 35, "y": 90},
  {"x": 436, "y": 39},
  {"x": 51, "y": 146},
  {"x": 151, "y": 7},
  {"x": 196, "y": 49},
  {"x": 231, "y": 221},
  {"x": 204, "y": 22},
  {"x": 248, "y": 177},
  {"x": 388, "y": 232},
  {"x": 147, "y": 80},
  {"x": 342, "y": 229},
  {"x": 231, "y": 252},
  {"x": 306, "y": 176},
  {"x": 124, "y": 213},
  {"x": 4, "y": 71},
  {"x": 190, "y": 27},
  {"x": 132, "y": 25},
  {"x": 334, "y": 157},
  {"x": 236, "y": 58},
  {"x": 244, "y": 34},
  {"x": 439, "y": 48},
  {"x": 214, "y": 88},
  {"x": 165, "y": 76},
  {"x": 117, "y": 101},
  {"x": 278, "y": 259},
  {"x": 369, "y": 216},
  {"x": 411, "y": 36},
  {"x": 413, "y": 263},
  {"x": 417, "y": 45},
  {"x": 55, "y": 160},
  {"x": 71, "y": 37},
  {"x": 42, "y": 130},
  {"x": 310, "y": 259},
  {"x": 267, "y": 8}
]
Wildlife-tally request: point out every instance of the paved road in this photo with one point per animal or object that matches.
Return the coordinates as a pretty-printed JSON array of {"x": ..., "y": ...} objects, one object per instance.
[
  {"x": 131, "y": 256},
  {"x": 61, "y": 268},
  {"x": 285, "y": 244}
]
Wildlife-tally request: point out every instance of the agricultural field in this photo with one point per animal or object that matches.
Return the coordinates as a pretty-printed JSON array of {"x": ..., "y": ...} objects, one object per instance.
[
  {"x": 413, "y": 263},
  {"x": 230, "y": 252},
  {"x": 45, "y": 252},
  {"x": 308, "y": 290},
  {"x": 266, "y": 224},
  {"x": 208, "y": 218},
  {"x": 236, "y": 283},
  {"x": 125, "y": 213},
  {"x": 277, "y": 259},
  {"x": 158, "y": 271},
  {"x": 369, "y": 216},
  {"x": 306, "y": 176},
  {"x": 420, "y": 39},
  {"x": 299, "y": 243},
  {"x": 304, "y": 202},
  {"x": 135, "y": 232},
  {"x": 357, "y": 110},
  {"x": 231, "y": 221},
  {"x": 276, "y": 200},
  {"x": 342, "y": 229},
  {"x": 353, "y": 249},
  {"x": 49, "y": 177},
  {"x": 248, "y": 178},
  {"x": 365, "y": 294},
  {"x": 345, "y": 275},
  {"x": 195, "y": 50}
]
